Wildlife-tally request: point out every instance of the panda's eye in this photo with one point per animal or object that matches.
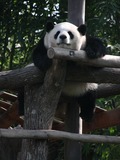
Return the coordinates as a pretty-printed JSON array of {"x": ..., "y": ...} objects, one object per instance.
[
  {"x": 71, "y": 35},
  {"x": 56, "y": 35}
]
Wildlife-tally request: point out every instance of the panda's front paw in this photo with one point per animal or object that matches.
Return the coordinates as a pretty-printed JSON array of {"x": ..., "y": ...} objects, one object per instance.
[{"x": 92, "y": 54}]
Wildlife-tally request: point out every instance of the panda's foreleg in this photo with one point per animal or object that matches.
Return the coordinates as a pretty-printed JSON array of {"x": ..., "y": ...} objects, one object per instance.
[
  {"x": 94, "y": 48},
  {"x": 87, "y": 105},
  {"x": 41, "y": 61},
  {"x": 40, "y": 58}
]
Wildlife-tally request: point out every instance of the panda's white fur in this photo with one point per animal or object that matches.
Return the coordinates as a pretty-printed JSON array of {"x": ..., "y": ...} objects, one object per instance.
[
  {"x": 64, "y": 28},
  {"x": 76, "y": 88},
  {"x": 77, "y": 43}
]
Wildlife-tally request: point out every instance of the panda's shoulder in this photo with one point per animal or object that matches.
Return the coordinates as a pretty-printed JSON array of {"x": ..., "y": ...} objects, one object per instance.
[{"x": 93, "y": 40}]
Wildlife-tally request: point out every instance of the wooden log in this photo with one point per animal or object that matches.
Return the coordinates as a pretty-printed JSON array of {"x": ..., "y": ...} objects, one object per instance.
[
  {"x": 14, "y": 79},
  {"x": 31, "y": 75},
  {"x": 10, "y": 117},
  {"x": 97, "y": 75},
  {"x": 76, "y": 12},
  {"x": 106, "y": 75},
  {"x": 106, "y": 90},
  {"x": 72, "y": 148},
  {"x": 52, "y": 134},
  {"x": 40, "y": 106},
  {"x": 80, "y": 56}
]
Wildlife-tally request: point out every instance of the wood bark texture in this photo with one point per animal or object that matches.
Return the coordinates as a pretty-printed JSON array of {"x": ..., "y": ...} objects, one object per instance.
[{"x": 40, "y": 105}]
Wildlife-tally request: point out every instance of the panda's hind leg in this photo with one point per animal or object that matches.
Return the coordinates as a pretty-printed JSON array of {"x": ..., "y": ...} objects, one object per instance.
[{"x": 87, "y": 105}]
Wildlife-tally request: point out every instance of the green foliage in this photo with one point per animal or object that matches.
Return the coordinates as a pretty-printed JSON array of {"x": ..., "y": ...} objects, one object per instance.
[
  {"x": 104, "y": 18},
  {"x": 21, "y": 25},
  {"x": 103, "y": 151}
]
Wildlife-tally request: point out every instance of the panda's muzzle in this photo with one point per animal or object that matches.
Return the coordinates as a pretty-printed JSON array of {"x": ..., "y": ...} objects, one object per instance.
[
  {"x": 62, "y": 37},
  {"x": 63, "y": 40}
]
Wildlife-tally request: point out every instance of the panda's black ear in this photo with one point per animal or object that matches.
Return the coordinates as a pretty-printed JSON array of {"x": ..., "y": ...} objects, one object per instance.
[
  {"x": 49, "y": 26},
  {"x": 82, "y": 29}
]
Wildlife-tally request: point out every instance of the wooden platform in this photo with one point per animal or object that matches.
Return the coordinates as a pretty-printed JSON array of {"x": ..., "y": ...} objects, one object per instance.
[
  {"x": 9, "y": 116},
  {"x": 9, "y": 110}
]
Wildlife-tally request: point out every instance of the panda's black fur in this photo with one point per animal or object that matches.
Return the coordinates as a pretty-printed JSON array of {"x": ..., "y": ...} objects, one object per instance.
[{"x": 67, "y": 35}]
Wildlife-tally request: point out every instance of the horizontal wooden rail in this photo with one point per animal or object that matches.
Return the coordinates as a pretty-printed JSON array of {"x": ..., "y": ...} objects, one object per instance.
[
  {"x": 66, "y": 54},
  {"x": 52, "y": 134}
]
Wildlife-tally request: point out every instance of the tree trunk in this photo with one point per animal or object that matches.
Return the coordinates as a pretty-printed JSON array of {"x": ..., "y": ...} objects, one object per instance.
[{"x": 40, "y": 106}]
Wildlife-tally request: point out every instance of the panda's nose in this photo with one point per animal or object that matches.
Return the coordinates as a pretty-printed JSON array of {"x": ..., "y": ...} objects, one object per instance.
[{"x": 63, "y": 37}]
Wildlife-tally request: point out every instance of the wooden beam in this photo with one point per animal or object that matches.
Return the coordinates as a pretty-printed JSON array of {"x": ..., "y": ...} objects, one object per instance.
[
  {"x": 97, "y": 75},
  {"x": 103, "y": 119},
  {"x": 80, "y": 56},
  {"x": 8, "y": 96},
  {"x": 40, "y": 106},
  {"x": 14, "y": 79},
  {"x": 31, "y": 75},
  {"x": 10, "y": 117},
  {"x": 4, "y": 104},
  {"x": 76, "y": 12},
  {"x": 106, "y": 90},
  {"x": 52, "y": 134},
  {"x": 72, "y": 148}
]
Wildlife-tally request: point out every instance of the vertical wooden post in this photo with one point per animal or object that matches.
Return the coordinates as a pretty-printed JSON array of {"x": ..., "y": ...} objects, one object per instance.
[
  {"x": 76, "y": 12},
  {"x": 76, "y": 15},
  {"x": 72, "y": 148},
  {"x": 40, "y": 105}
]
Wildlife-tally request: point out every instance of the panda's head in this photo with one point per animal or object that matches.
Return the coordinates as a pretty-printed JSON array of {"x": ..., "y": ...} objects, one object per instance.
[{"x": 65, "y": 35}]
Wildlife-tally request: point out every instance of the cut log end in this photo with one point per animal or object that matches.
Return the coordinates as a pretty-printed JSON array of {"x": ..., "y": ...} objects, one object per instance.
[{"x": 51, "y": 53}]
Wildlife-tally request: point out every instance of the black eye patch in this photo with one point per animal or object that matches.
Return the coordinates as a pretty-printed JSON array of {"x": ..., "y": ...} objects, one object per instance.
[
  {"x": 71, "y": 35},
  {"x": 56, "y": 35}
]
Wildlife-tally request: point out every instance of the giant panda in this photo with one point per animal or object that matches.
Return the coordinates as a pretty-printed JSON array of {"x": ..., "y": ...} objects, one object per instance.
[{"x": 69, "y": 36}]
